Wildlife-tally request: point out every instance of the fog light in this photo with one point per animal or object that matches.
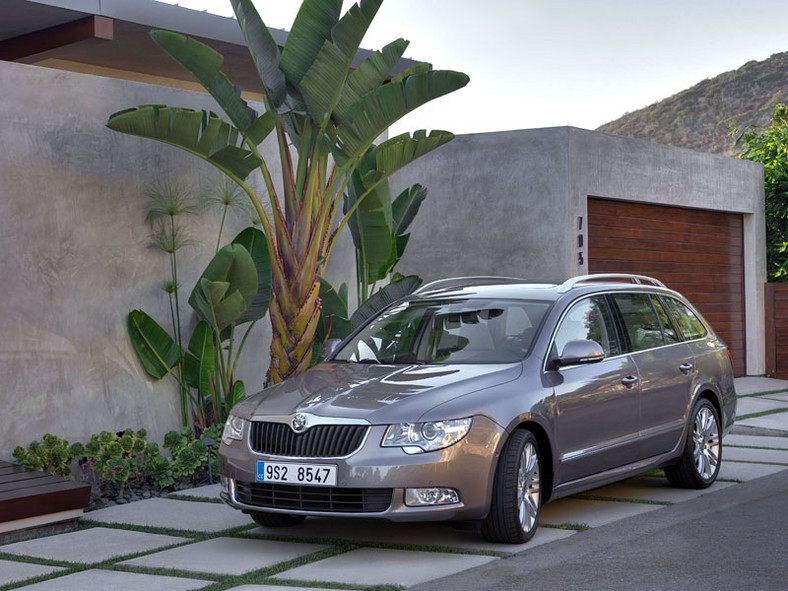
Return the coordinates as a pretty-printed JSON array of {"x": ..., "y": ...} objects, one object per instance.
[
  {"x": 225, "y": 482},
  {"x": 419, "y": 497}
]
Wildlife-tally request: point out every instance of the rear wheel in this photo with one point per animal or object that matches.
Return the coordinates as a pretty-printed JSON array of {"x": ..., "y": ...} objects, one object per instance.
[
  {"x": 517, "y": 493},
  {"x": 276, "y": 519},
  {"x": 700, "y": 462}
]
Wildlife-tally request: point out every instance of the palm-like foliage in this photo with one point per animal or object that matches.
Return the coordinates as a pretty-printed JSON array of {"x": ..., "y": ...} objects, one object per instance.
[{"x": 325, "y": 117}]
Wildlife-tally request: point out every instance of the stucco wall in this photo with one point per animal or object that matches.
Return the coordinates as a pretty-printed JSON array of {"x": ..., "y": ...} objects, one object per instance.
[
  {"x": 75, "y": 258},
  {"x": 497, "y": 205}
]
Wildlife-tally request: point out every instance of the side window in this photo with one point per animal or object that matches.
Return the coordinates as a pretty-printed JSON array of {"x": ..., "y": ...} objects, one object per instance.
[
  {"x": 668, "y": 330},
  {"x": 588, "y": 319},
  {"x": 689, "y": 324},
  {"x": 640, "y": 320}
]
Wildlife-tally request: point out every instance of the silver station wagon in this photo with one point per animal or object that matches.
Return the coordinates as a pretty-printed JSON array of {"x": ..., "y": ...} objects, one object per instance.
[{"x": 481, "y": 399}]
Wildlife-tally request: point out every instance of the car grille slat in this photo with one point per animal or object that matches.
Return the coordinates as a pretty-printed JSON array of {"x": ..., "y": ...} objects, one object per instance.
[
  {"x": 320, "y": 441},
  {"x": 314, "y": 498}
]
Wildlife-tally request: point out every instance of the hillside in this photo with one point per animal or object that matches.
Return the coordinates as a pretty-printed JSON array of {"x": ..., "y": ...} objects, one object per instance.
[{"x": 701, "y": 117}]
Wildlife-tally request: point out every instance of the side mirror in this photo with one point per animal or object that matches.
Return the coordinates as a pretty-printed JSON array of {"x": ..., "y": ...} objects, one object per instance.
[
  {"x": 580, "y": 352},
  {"x": 330, "y": 347}
]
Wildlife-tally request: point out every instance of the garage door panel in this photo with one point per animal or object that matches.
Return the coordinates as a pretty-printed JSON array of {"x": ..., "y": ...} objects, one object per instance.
[
  {"x": 677, "y": 224},
  {"x": 698, "y": 253}
]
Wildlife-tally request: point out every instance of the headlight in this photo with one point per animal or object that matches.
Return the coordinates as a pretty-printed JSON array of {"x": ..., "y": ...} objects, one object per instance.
[
  {"x": 233, "y": 429},
  {"x": 416, "y": 438}
]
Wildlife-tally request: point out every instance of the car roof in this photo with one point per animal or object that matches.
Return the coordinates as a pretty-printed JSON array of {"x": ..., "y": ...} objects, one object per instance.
[{"x": 515, "y": 288}]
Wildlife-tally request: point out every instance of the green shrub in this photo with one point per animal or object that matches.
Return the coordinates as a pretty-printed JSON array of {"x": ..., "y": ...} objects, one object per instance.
[
  {"x": 52, "y": 455},
  {"x": 118, "y": 458}
]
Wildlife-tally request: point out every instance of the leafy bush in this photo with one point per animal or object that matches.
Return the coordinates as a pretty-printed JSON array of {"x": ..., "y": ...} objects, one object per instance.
[
  {"x": 119, "y": 457},
  {"x": 189, "y": 454},
  {"x": 52, "y": 455}
]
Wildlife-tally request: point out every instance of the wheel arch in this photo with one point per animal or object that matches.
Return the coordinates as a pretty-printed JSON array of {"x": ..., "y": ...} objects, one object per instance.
[{"x": 545, "y": 450}]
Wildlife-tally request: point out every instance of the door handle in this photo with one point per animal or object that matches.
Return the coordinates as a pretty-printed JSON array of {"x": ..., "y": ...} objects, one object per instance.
[
  {"x": 686, "y": 368},
  {"x": 629, "y": 381}
]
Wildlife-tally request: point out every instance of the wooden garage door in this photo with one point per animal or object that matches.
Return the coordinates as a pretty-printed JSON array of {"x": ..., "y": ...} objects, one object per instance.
[{"x": 698, "y": 253}]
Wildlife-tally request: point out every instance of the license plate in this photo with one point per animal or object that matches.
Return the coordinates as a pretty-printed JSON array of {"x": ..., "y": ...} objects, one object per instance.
[{"x": 306, "y": 474}]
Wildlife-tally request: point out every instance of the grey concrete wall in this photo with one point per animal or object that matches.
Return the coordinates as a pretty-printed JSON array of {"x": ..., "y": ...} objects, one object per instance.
[
  {"x": 615, "y": 167},
  {"x": 497, "y": 205},
  {"x": 75, "y": 257}
]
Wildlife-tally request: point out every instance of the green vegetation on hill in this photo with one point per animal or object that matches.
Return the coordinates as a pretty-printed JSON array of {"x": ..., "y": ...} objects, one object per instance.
[{"x": 701, "y": 117}]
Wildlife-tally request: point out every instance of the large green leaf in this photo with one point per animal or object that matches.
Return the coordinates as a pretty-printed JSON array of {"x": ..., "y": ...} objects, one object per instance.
[
  {"x": 226, "y": 288},
  {"x": 370, "y": 74},
  {"x": 311, "y": 28},
  {"x": 254, "y": 241},
  {"x": 371, "y": 227},
  {"x": 156, "y": 349},
  {"x": 384, "y": 297},
  {"x": 199, "y": 366},
  {"x": 264, "y": 50},
  {"x": 406, "y": 206},
  {"x": 378, "y": 110},
  {"x": 401, "y": 150},
  {"x": 204, "y": 64},
  {"x": 199, "y": 132},
  {"x": 324, "y": 81},
  {"x": 334, "y": 322}
]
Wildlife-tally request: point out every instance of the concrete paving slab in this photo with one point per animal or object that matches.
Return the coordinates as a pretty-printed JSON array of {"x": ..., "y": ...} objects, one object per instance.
[
  {"x": 746, "y": 406},
  {"x": 226, "y": 556},
  {"x": 89, "y": 546},
  {"x": 756, "y": 441},
  {"x": 592, "y": 513},
  {"x": 746, "y": 454},
  {"x": 746, "y": 472},
  {"x": 755, "y": 385},
  {"x": 376, "y": 566},
  {"x": 777, "y": 422},
  {"x": 423, "y": 534},
  {"x": 203, "y": 492},
  {"x": 279, "y": 588},
  {"x": 781, "y": 396},
  {"x": 653, "y": 489},
  {"x": 101, "y": 580},
  {"x": 15, "y": 572},
  {"x": 205, "y": 517}
]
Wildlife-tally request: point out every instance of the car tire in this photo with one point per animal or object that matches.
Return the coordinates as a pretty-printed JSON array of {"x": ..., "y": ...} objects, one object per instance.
[
  {"x": 517, "y": 494},
  {"x": 701, "y": 459},
  {"x": 276, "y": 519}
]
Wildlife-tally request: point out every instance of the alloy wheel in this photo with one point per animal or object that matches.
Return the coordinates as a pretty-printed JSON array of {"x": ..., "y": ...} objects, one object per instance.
[
  {"x": 528, "y": 487},
  {"x": 706, "y": 441}
]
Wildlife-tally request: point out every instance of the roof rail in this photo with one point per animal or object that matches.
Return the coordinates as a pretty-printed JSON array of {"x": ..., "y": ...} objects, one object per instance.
[
  {"x": 637, "y": 279},
  {"x": 466, "y": 282}
]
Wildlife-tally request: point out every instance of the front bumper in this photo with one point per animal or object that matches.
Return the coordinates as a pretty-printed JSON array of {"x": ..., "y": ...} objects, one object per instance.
[{"x": 467, "y": 466}]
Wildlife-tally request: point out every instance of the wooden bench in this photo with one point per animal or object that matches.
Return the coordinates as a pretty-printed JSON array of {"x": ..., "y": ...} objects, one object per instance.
[{"x": 32, "y": 500}]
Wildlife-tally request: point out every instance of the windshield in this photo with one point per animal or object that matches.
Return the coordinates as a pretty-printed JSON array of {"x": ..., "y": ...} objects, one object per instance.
[{"x": 457, "y": 331}]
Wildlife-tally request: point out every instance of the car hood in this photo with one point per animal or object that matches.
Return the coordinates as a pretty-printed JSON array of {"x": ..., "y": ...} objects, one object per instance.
[{"x": 380, "y": 394}]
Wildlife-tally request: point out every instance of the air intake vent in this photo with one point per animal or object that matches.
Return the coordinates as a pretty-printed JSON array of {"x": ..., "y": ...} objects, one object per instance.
[
  {"x": 314, "y": 498},
  {"x": 320, "y": 441}
]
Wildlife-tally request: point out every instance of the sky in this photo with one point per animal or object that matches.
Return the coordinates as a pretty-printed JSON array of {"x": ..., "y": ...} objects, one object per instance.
[{"x": 544, "y": 63}]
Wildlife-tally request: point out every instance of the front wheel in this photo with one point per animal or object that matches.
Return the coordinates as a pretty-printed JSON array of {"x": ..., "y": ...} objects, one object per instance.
[
  {"x": 276, "y": 519},
  {"x": 700, "y": 461},
  {"x": 517, "y": 493}
]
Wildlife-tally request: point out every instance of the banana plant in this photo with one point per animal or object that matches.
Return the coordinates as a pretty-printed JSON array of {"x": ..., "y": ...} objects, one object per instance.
[{"x": 324, "y": 116}]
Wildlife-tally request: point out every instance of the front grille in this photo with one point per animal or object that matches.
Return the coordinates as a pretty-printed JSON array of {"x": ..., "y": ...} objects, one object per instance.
[
  {"x": 320, "y": 441},
  {"x": 313, "y": 498}
]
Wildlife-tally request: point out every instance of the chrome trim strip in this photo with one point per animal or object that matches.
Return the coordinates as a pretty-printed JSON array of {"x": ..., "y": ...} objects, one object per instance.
[
  {"x": 312, "y": 420},
  {"x": 574, "y": 455}
]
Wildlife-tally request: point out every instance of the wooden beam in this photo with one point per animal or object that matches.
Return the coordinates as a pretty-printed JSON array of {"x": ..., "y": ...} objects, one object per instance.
[
  {"x": 771, "y": 330},
  {"x": 92, "y": 27}
]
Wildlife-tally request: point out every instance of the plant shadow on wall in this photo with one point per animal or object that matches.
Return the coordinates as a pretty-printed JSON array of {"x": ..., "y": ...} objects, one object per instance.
[
  {"x": 232, "y": 293},
  {"x": 324, "y": 116}
]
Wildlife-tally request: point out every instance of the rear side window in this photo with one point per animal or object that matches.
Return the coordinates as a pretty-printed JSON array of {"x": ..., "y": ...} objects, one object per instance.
[
  {"x": 588, "y": 319},
  {"x": 668, "y": 330},
  {"x": 640, "y": 320},
  {"x": 689, "y": 324}
]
